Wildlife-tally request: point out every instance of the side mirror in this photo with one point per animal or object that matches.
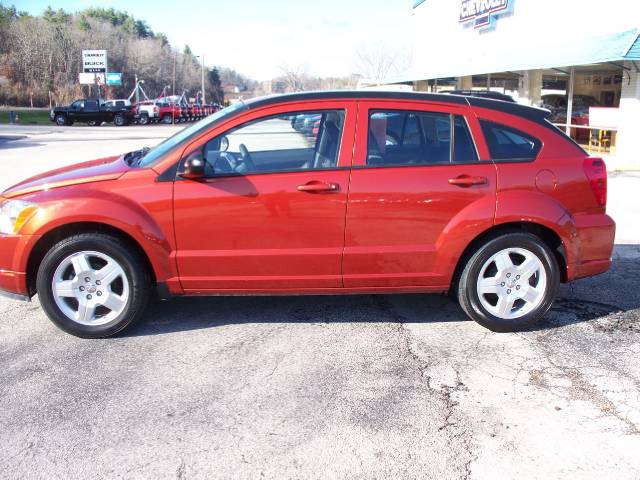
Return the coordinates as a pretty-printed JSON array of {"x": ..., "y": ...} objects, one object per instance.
[{"x": 192, "y": 166}]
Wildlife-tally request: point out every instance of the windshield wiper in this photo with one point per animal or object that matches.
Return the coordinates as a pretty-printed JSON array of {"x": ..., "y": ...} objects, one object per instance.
[{"x": 135, "y": 156}]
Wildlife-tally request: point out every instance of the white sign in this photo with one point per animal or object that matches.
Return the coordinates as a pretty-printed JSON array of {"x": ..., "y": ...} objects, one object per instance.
[
  {"x": 483, "y": 13},
  {"x": 94, "y": 61},
  {"x": 91, "y": 78},
  {"x": 604, "y": 117}
]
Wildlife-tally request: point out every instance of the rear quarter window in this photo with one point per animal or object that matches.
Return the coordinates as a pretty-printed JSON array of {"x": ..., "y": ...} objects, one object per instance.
[{"x": 508, "y": 144}]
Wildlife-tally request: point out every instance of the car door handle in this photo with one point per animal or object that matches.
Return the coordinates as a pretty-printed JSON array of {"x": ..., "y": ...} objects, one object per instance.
[
  {"x": 467, "y": 181},
  {"x": 318, "y": 187}
]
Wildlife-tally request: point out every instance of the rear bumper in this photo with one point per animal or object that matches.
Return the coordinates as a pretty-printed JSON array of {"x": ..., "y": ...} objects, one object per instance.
[{"x": 594, "y": 236}]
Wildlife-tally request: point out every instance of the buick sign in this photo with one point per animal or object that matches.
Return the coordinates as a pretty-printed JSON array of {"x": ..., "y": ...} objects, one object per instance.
[
  {"x": 94, "y": 61},
  {"x": 483, "y": 13}
]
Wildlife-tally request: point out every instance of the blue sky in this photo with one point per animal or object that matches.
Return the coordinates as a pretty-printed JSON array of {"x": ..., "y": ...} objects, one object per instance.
[{"x": 259, "y": 37}]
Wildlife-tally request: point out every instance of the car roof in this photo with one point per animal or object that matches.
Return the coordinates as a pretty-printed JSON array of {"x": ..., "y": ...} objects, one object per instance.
[{"x": 537, "y": 115}]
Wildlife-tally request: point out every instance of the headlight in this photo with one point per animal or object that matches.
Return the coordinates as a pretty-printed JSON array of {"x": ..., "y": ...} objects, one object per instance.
[{"x": 14, "y": 214}]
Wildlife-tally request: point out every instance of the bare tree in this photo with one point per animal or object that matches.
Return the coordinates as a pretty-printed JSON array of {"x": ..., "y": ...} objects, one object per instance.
[
  {"x": 295, "y": 77},
  {"x": 379, "y": 61}
]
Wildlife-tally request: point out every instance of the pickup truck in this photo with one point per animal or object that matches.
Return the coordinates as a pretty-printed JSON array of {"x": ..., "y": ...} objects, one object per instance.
[{"x": 93, "y": 112}]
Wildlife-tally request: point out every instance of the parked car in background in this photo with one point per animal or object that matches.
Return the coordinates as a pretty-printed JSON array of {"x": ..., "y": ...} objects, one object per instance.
[
  {"x": 147, "y": 112},
  {"x": 480, "y": 198},
  {"x": 482, "y": 94},
  {"x": 93, "y": 112},
  {"x": 168, "y": 112}
]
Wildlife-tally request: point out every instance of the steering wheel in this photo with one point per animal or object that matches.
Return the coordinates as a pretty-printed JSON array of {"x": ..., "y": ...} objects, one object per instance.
[{"x": 245, "y": 159}]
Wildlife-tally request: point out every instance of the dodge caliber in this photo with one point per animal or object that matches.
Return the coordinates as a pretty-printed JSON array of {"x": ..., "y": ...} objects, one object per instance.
[{"x": 388, "y": 192}]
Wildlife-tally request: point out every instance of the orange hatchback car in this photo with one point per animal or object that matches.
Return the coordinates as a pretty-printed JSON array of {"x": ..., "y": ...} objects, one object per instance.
[{"x": 317, "y": 193}]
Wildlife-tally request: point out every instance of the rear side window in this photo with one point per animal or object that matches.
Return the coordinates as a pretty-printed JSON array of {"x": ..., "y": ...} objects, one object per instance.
[
  {"x": 506, "y": 143},
  {"x": 399, "y": 138}
]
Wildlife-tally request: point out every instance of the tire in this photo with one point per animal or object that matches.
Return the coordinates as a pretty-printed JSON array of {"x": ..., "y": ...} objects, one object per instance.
[
  {"x": 119, "y": 120},
  {"x": 144, "y": 119},
  {"x": 113, "y": 299},
  {"x": 509, "y": 283},
  {"x": 166, "y": 119},
  {"x": 92, "y": 123},
  {"x": 61, "y": 120}
]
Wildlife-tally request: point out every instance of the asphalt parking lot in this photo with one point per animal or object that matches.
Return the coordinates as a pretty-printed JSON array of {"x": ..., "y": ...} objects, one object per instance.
[{"x": 371, "y": 386}]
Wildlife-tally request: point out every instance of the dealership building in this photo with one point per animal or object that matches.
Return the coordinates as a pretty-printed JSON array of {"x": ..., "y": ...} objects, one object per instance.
[{"x": 578, "y": 58}]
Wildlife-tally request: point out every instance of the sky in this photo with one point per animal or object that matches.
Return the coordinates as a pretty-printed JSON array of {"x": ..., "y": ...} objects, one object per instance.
[{"x": 260, "y": 38}]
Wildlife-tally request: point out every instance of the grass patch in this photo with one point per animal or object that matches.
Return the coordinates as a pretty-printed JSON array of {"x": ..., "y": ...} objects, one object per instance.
[{"x": 26, "y": 116}]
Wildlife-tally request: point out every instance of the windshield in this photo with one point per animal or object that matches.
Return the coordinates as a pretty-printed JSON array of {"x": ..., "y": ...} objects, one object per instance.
[{"x": 157, "y": 152}]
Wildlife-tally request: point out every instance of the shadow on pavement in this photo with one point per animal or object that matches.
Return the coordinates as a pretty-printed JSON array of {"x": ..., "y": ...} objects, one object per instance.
[{"x": 617, "y": 298}]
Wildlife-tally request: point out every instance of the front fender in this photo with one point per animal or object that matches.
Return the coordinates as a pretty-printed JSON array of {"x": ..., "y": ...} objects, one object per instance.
[{"x": 143, "y": 212}]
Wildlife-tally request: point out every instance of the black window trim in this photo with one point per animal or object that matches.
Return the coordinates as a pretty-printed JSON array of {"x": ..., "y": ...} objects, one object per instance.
[
  {"x": 473, "y": 140},
  {"x": 251, "y": 174},
  {"x": 451, "y": 139},
  {"x": 535, "y": 139}
]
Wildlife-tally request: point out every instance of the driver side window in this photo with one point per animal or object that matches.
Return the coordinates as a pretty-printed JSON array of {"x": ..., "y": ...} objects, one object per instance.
[{"x": 283, "y": 142}]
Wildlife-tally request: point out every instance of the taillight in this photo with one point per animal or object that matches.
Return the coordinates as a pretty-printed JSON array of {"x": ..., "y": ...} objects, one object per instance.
[{"x": 596, "y": 172}]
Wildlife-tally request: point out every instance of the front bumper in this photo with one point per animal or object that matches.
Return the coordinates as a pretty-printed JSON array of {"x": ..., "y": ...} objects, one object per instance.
[
  {"x": 14, "y": 296},
  {"x": 14, "y": 252}
]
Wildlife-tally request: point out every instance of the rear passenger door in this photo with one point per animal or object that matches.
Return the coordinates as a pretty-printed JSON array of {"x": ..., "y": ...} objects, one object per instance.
[{"x": 418, "y": 194}]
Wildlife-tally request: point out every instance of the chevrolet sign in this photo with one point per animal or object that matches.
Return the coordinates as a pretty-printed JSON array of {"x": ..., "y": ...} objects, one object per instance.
[{"x": 483, "y": 13}]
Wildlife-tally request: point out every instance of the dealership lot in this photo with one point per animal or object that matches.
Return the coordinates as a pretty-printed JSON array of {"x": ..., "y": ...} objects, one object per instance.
[{"x": 305, "y": 387}]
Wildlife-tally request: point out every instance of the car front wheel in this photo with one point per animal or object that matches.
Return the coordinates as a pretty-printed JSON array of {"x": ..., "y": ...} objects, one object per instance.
[
  {"x": 91, "y": 286},
  {"x": 509, "y": 283},
  {"x": 61, "y": 120}
]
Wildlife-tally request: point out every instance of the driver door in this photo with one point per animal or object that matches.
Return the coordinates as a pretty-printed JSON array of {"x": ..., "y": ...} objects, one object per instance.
[
  {"x": 270, "y": 213},
  {"x": 75, "y": 112}
]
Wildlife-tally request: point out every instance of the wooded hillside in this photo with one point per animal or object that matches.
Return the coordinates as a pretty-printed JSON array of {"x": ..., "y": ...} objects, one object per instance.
[{"x": 41, "y": 56}]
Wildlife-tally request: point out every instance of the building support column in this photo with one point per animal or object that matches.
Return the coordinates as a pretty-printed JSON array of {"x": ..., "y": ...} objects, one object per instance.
[
  {"x": 570, "y": 87},
  {"x": 530, "y": 90},
  {"x": 421, "y": 86},
  {"x": 628, "y": 137},
  {"x": 464, "y": 83}
]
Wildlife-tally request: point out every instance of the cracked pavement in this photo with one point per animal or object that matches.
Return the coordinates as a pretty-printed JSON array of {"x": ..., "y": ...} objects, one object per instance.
[{"x": 372, "y": 386}]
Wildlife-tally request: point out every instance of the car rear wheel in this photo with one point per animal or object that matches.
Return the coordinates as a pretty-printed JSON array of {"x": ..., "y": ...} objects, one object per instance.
[
  {"x": 119, "y": 120},
  {"x": 166, "y": 118},
  {"x": 92, "y": 123},
  {"x": 509, "y": 283},
  {"x": 91, "y": 286},
  {"x": 144, "y": 119}
]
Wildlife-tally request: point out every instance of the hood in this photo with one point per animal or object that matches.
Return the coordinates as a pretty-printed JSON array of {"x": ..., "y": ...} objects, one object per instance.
[{"x": 99, "y": 170}]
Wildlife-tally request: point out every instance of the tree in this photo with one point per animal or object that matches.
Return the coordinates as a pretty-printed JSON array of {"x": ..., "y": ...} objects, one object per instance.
[
  {"x": 217, "y": 92},
  {"x": 295, "y": 77},
  {"x": 380, "y": 61}
]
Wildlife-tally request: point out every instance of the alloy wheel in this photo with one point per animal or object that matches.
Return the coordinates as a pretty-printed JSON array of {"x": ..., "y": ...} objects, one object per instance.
[
  {"x": 512, "y": 283},
  {"x": 90, "y": 288}
]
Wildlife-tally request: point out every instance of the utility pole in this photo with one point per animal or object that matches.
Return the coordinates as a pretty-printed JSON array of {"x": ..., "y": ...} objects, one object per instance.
[
  {"x": 173, "y": 85},
  {"x": 203, "y": 94},
  {"x": 137, "y": 91}
]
